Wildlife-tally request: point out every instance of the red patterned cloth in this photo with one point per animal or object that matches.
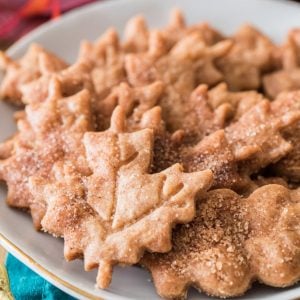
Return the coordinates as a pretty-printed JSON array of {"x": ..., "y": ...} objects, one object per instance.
[{"x": 17, "y": 17}]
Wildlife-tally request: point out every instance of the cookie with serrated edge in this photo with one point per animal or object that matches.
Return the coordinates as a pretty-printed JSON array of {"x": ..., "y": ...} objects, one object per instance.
[
  {"x": 287, "y": 77},
  {"x": 48, "y": 132},
  {"x": 73, "y": 79},
  {"x": 181, "y": 70},
  {"x": 251, "y": 55},
  {"x": 24, "y": 70},
  {"x": 289, "y": 166},
  {"x": 240, "y": 102},
  {"x": 135, "y": 101},
  {"x": 232, "y": 242},
  {"x": 136, "y": 33},
  {"x": 261, "y": 129},
  {"x": 112, "y": 215},
  {"x": 242, "y": 149}
]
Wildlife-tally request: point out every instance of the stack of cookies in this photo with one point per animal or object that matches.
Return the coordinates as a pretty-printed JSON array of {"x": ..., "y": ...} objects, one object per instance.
[{"x": 176, "y": 149}]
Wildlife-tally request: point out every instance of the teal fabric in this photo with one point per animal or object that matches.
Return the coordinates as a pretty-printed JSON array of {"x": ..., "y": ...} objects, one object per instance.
[{"x": 27, "y": 285}]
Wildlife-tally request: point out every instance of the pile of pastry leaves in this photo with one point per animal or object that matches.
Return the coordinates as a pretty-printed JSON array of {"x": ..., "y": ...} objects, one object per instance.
[{"x": 177, "y": 149}]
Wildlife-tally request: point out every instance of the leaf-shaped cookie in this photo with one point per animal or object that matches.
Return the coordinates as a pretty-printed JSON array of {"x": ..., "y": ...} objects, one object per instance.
[
  {"x": 240, "y": 102},
  {"x": 212, "y": 152},
  {"x": 187, "y": 64},
  {"x": 260, "y": 128},
  {"x": 48, "y": 132},
  {"x": 134, "y": 101},
  {"x": 107, "y": 59},
  {"x": 107, "y": 54},
  {"x": 189, "y": 59},
  {"x": 136, "y": 34},
  {"x": 289, "y": 166},
  {"x": 197, "y": 118},
  {"x": 178, "y": 29},
  {"x": 251, "y": 55},
  {"x": 232, "y": 242},
  {"x": 114, "y": 214},
  {"x": 108, "y": 76},
  {"x": 72, "y": 80},
  {"x": 246, "y": 146},
  {"x": 287, "y": 78},
  {"x": 281, "y": 81},
  {"x": 24, "y": 70}
]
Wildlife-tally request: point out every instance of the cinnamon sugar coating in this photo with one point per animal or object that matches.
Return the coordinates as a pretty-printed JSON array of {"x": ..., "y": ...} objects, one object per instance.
[
  {"x": 137, "y": 32},
  {"x": 232, "y": 242},
  {"x": 181, "y": 70},
  {"x": 109, "y": 216},
  {"x": 72, "y": 80},
  {"x": 251, "y": 55},
  {"x": 48, "y": 132},
  {"x": 244, "y": 147},
  {"x": 113, "y": 150},
  {"x": 134, "y": 101},
  {"x": 198, "y": 117},
  {"x": 289, "y": 166},
  {"x": 287, "y": 77},
  {"x": 260, "y": 128},
  {"x": 240, "y": 102},
  {"x": 26, "y": 69}
]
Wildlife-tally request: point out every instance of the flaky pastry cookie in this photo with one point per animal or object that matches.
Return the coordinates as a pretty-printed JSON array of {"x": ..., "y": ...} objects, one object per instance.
[
  {"x": 243, "y": 148},
  {"x": 48, "y": 132},
  {"x": 251, "y": 55},
  {"x": 287, "y": 78},
  {"x": 232, "y": 242},
  {"x": 289, "y": 166},
  {"x": 119, "y": 210},
  {"x": 24, "y": 70}
]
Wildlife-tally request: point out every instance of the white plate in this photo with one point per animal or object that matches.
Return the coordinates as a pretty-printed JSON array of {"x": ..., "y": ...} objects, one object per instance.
[{"x": 43, "y": 253}]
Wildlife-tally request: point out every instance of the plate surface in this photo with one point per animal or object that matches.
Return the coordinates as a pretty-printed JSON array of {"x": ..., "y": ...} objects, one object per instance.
[{"x": 43, "y": 253}]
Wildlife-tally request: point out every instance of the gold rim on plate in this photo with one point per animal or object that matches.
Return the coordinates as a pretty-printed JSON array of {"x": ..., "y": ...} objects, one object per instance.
[{"x": 44, "y": 271}]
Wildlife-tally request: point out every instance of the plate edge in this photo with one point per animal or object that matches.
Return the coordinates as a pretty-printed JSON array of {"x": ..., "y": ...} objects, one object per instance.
[{"x": 31, "y": 263}]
